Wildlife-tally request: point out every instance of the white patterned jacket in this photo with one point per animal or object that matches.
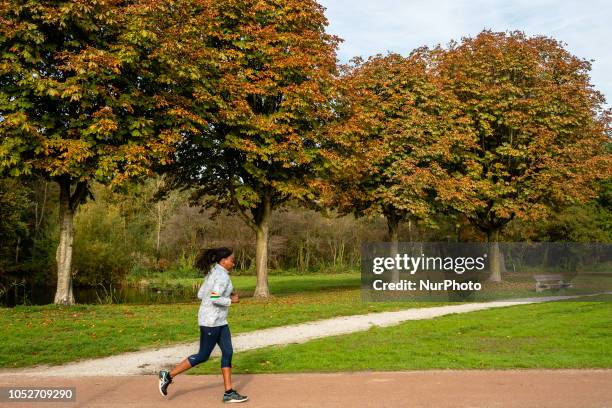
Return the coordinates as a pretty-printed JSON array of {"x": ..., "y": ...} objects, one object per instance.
[{"x": 215, "y": 294}]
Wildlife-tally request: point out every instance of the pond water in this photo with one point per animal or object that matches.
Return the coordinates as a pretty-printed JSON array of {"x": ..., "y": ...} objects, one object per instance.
[{"x": 23, "y": 294}]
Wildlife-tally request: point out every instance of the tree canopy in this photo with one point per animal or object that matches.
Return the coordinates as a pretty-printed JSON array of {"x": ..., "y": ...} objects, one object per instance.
[
  {"x": 84, "y": 96},
  {"x": 540, "y": 124},
  {"x": 395, "y": 132},
  {"x": 274, "y": 65}
]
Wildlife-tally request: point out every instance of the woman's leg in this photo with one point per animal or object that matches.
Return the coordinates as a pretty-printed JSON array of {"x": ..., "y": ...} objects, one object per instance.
[
  {"x": 182, "y": 366},
  {"x": 227, "y": 351},
  {"x": 227, "y": 378},
  {"x": 208, "y": 339},
  {"x": 225, "y": 343}
]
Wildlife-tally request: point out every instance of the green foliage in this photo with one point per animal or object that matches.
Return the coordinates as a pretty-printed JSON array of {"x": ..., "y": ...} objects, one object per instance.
[
  {"x": 579, "y": 224},
  {"x": 80, "y": 95},
  {"x": 116, "y": 233},
  {"x": 40, "y": 268},
  {"x": 591, "y": 222},
  {"x": 28, "y": 230},
  {"x": 14, "y": 205},
  {"x": 102, "y": 246},
  {"x": 186, "y": 265}
]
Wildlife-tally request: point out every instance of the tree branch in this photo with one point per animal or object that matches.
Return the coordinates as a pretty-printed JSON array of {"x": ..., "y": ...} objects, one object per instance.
[{"x": 240, "y": 209}]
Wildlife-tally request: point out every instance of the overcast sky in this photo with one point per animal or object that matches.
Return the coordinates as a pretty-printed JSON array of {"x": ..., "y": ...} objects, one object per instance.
[{"x": 377, "y": 26}]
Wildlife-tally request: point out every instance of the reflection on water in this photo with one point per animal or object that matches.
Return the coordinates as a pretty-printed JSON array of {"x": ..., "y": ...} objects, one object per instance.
[{"x": 24, "y": 294}]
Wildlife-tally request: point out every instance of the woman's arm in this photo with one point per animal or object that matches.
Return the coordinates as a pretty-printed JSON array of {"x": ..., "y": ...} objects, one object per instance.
[
  {"x": 218, "y": 287},
  {"x": 201, "y": 291}
]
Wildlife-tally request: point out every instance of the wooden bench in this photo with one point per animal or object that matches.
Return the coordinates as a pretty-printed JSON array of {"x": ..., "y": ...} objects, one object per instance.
[{"x": 544, "y": 282}]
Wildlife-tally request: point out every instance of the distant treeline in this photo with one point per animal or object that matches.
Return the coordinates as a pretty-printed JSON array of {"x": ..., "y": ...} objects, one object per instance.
[{"x": 129, "y": 231}]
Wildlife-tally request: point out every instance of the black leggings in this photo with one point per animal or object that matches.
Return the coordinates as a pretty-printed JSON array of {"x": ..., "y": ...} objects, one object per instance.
[{"x": 209, "y": 336}]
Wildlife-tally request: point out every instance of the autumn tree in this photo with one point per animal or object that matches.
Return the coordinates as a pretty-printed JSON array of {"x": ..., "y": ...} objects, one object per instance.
[
  {"x": 273, "y": 69},
  {"x": 83, "y": 98},
  {"x": 393, "y": 130},
  {"x": 540, "y": 126}
]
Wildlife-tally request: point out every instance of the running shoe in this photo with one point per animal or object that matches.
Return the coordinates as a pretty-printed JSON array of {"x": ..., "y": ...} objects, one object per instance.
[
  {"x": 233, "y": 396},
  {"x": 164, "y": 382}
]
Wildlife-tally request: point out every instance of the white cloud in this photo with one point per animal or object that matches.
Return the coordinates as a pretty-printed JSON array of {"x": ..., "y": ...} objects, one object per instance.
[{"x": 370, "y": 27}]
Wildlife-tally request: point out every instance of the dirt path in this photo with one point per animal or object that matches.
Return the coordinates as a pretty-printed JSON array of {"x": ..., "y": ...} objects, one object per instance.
[
  {"x": 414, "y": 389},
  {"x": 151, "y": 361}
]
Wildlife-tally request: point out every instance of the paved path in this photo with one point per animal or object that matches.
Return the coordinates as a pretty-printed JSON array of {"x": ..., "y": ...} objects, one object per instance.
[
  {"x": 413, "y": 389},
  {"x": 151, "y": 361}
]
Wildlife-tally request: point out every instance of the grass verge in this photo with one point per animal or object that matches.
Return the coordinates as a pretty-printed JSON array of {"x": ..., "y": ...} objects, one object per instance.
[
  {"x": 53, "y": 334},
  {"x": 559, "y": 334}
]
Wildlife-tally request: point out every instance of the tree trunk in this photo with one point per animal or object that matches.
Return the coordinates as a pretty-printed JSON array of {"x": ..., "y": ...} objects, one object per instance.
[
  {"x": 392, "y": 237},
  {"x": 38, "y": 220},
  {"x": 544, "y": 265},
  {"x": 159, "y": 227},
  {"x": 494, "y": 255},
  {"x": 160, "y": 214},
  {"x": 63, "y": 256},
  {"x": 17, "y": 250},
  {"x": 261, "y": 250},
  {"x": 410, "y": 234}
]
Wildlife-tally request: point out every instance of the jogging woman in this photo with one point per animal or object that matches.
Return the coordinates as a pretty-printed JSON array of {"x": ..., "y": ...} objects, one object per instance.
[{"x": 217, "y": 295}]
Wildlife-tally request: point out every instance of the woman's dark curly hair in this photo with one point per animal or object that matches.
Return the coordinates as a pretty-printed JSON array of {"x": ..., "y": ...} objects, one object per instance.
[{"x": 209, "y": 256}]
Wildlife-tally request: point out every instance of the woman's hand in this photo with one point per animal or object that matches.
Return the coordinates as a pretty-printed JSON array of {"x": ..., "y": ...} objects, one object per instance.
[{"x": 235, "y": 298}]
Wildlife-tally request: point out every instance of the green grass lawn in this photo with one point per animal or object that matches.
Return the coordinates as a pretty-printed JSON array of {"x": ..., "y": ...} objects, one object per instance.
[
  {"x": 560, "y": 334},
  {"x": 281, "y": 282},
  {"x": 57, "y": 334},
  {"x": 285, "y": 284}
]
